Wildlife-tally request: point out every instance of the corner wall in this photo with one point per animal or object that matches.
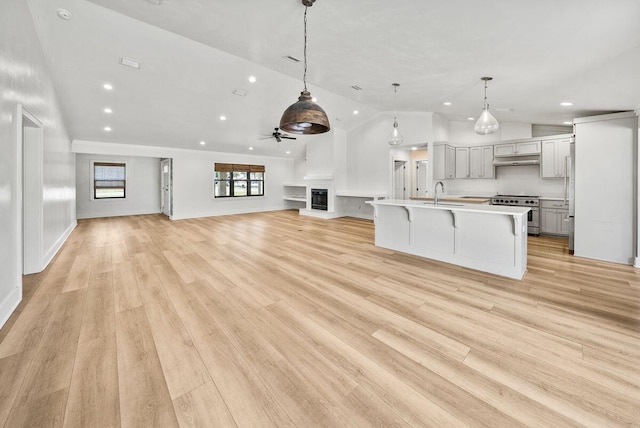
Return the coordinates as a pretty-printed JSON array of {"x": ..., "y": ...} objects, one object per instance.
[
  {"x": 25, "y": 80},
  {"x": 143, "y": 187}
]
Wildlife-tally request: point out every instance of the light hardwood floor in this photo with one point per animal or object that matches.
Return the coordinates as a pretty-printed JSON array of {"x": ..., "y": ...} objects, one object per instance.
[{"x": 273, "y": 319}]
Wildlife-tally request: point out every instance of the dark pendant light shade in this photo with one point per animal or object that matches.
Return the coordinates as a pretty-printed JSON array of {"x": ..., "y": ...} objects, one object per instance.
[{"x": 305, "y": 116}]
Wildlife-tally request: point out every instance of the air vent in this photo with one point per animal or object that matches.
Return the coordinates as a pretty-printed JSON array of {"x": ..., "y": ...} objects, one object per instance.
[
  {"x": 290, "y": 58},
  {"x": 129, "y": 63},
  {"x": 356, "y": 87},
  {"x": 239, "y": 92}
]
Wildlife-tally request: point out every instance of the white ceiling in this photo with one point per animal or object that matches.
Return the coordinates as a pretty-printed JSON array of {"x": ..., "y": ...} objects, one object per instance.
[{"x": 194, "y": 53}]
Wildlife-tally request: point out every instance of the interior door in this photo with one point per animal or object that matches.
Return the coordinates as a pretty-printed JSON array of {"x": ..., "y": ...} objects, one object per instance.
[
  {"x": 422, "y": 173},
  {"x": 167, "y": 188},
  {"x": 399, "y": 179}
]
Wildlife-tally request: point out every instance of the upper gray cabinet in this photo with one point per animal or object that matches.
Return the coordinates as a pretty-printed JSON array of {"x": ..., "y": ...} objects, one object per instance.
[
  {"x": 444, "y": 161},
  {"x": 481, "y": 162},
  {"x": 523, "y": 148},
  {"x": 555, "y": 155}
]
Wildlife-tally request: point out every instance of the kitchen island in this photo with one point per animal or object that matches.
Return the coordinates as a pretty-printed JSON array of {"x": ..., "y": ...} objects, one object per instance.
[{"x": 484, "y": 237}]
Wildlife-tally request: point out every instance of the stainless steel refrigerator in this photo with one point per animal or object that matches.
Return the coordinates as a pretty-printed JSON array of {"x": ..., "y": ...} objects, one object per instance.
[{"x": 571, "y": 167}]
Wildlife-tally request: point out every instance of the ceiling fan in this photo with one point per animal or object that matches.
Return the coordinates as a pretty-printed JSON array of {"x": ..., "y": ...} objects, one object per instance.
[{"x": 279, "y": 136}]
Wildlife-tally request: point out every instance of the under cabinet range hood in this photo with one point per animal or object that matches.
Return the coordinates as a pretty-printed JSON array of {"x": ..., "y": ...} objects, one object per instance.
[{"x": 516, "y": 161}]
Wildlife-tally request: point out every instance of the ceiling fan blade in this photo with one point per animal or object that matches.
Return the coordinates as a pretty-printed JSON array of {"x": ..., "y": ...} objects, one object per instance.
[
  {"x": 265, "y": 138},
  {"x": 278, "y": 138},
  {"x": 288, "y": 138}
]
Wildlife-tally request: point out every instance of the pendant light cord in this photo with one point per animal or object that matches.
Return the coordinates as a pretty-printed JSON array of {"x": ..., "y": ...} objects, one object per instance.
[
  {"x": 304, "y": 78},
  {"x": 395, "y": 105},
  {"x": 485, "y": 96}
]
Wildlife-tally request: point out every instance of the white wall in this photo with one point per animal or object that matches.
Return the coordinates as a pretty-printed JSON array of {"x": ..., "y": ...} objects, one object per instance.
[
  {"x": 25, "y": 79},
  {"x": 143, "y": 187},
  {"x": 441, "y": 127},
  {"x": 193, "y": 178},
  {"x": 369, "y": 155},
  {"x": 320, "y": 150},
  {"x": 461, "y": 131}
]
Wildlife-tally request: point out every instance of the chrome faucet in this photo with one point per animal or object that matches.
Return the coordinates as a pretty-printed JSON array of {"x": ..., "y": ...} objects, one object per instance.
[{"x": 435, "y": 196}]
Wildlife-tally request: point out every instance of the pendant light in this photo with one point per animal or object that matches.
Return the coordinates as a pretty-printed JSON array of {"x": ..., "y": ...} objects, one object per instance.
[
  {"x": 305, "y": 116},
  {"x": 395, "y": 139},
  {"x": 486, "y": 124}
]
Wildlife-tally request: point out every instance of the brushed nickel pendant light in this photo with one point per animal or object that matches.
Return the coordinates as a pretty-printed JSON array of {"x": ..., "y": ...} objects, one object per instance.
[
  {"x": 486, "y": 124},
  {"x": 305, "y": 116},
  {"x": 395, "y": 139}
]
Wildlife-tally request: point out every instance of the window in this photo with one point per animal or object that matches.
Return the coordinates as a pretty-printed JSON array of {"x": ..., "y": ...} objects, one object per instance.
[
  {"x": 109, "y": 180},
  {"x": 237, "y": 180}
]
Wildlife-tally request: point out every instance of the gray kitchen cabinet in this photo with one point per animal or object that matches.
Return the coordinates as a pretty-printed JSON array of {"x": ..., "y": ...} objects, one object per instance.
[
  {"x": 462, "y": 162},
  {"x": 481, "y": 162},
  {"x": 554, "y": 158},
  {"x": 553, "y": 216},
  {"x": 444, "y": 161},
  {"x": 523, "y": 148}
]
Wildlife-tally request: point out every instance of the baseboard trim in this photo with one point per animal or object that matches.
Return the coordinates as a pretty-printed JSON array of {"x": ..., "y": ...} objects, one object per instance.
[
  {"x": 9, "y": 304},
  {"x": 58, "y": 244}
]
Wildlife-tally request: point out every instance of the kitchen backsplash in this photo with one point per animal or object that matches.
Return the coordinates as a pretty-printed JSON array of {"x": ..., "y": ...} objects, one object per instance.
[{"x": 513, "y": 180}]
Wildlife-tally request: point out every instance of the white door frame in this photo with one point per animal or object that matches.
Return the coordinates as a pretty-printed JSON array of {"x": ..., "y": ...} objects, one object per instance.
[
  {"x": 166, "y": 187},
  {"x": 406, "y": 177},
  {"x": 30, "y": 243}
]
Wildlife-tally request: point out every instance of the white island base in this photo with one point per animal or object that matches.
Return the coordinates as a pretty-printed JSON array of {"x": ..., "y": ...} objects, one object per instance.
[{"x": 483, "y": 237}]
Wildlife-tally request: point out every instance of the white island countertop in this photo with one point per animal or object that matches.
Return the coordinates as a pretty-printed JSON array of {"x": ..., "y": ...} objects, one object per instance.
[
  {"x": 454, "y": 206},
  {"x": 489, "y": 238}
]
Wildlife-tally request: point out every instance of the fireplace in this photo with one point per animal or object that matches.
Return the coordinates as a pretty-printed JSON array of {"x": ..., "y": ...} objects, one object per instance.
[{"x": 319, "y": 199}]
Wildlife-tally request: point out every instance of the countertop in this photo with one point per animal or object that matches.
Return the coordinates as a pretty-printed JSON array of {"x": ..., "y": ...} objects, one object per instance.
[
  {"x": 478, "y": 208},
  {"x": 465, "y": 199}
]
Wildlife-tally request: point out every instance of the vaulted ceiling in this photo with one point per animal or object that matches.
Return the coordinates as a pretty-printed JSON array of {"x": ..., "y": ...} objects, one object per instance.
[{"x": 195, "y": 53}]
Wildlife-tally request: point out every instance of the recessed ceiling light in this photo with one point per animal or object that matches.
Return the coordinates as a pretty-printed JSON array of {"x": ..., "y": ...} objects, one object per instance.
[
  {"x": 64, "y": 14},
  {"x": 252, "y": 79},
  {"x": 566, "y": 103},
  {"x": 414, "y": 148},
  {"x": 108, "y": 110},
  {"x": 288, "y": 152},
  {"x": 108, "y": 86},
  {"x": 355, "y": 112},
  {"x": 250, "y": 148},
  {"x": 107, "y": 129},
  {"x": 314, "y": 99},
  {"x": 223, "y": 117},
  {"x": 202, "y": 143},
  {"x": 567, "y": 122},
  {"x": 447, "y": 103},
  {"x": 471, "y": 118}
]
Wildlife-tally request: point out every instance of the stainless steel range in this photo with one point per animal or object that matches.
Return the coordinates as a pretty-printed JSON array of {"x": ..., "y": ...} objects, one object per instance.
[{"x": 533, "y": 202}]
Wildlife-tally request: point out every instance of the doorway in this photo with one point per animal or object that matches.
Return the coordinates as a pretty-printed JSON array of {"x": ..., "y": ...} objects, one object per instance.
[
  {"x": 32, "y": 187},
  {"x": 166, "y": 184},
  {"x": 400, "y": 179},
  {"x": 422, "y": 178}
]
